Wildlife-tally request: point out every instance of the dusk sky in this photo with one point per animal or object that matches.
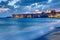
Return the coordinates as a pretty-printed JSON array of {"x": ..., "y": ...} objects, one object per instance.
[{"x": 21, "y": 6}]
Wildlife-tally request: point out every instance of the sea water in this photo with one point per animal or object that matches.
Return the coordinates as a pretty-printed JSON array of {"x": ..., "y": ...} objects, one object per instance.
[{"x": 26, "y": 28}]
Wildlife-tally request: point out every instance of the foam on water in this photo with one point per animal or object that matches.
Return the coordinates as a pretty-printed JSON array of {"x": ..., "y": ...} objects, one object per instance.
[{"x": 25, "y": 29}]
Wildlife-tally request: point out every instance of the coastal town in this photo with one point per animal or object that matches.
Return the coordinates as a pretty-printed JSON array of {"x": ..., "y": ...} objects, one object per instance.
[{"x": 38, "y": 14}]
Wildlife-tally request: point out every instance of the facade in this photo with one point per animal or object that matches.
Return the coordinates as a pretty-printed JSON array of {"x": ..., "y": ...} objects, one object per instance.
[
  {"x": 47, "y": 14},
  {"x": 26, "y": 16},
  {"x": 53, "y": 14},
  {"x": 17, "y": 16}
]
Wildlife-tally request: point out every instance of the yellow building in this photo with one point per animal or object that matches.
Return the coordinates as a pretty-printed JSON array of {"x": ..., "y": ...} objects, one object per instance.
[
  {"x": 57, "y": 15},
  {"x": 48, "y": 11},
  {"x": 51, "y": 13},
  {"x": 18, "y": 16}
]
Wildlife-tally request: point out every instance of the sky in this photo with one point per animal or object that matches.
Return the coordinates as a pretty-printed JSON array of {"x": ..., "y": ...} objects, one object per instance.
[{"x": 22, "y": 6}]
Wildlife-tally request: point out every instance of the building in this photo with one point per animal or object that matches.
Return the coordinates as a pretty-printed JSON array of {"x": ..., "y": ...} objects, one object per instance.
[
  {"x": 18, "y": 16},
  {"x": 44, "y": 15},
  {"x": 26, "y": 15},
  {"x": 47, "y": 14},
  {"x": 51, "y": 13}
]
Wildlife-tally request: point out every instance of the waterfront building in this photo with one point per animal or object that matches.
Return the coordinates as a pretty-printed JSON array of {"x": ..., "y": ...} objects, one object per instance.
[
  {"x": 48, "y": 11},
  {"x": 44, "y": 15},
  {"x": 18, "y": 16},
  {"x": 35, "y": 15},
  {"x": 29, "y": 16},
  {"x": 51, "y": 13},
  {"x": 47, "y": 14}
]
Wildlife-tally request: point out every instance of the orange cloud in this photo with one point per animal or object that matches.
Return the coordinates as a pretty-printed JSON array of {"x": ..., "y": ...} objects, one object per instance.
[{"x": 4, "y": 9}]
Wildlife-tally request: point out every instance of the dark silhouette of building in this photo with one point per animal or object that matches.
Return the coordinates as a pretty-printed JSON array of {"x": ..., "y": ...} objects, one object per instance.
[{"x": 44, "y": 15}]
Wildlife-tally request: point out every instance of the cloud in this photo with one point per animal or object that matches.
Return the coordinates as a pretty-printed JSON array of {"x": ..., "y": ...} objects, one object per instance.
[
  {"x": 21, "y": 6},
  {"x": 3, "y": 0},
  {"x": 49, "y": 1},
  {"x": 12, "y": 2},
  {"x": 4, "y": 10}
]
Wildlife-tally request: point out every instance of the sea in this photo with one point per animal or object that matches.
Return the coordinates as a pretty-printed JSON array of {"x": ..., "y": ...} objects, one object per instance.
[{"x": 26, "y": 28}]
